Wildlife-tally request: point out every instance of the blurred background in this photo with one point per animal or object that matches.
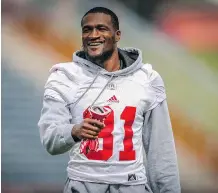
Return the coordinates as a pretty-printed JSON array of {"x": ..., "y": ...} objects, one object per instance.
[{"x": 180, "y": 40}]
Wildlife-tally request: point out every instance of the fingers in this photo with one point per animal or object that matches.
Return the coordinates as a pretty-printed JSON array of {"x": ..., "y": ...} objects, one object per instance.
[
  {"x": 88, "y": 126},
  {"x": 88, "y": 136},
  {"x": 94, "y": 122},
  {"x": 88, "y": 129},
  {"x": 94, "y": 131}
]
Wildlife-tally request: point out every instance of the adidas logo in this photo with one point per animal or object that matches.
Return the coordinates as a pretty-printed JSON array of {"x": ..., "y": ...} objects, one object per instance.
[{"x": 113, "y": 99}]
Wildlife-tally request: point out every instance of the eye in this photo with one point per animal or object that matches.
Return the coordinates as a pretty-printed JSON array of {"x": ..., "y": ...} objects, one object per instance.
[
  {"x": 86, "y": 30},
  {"x": 102, "y": 29}
]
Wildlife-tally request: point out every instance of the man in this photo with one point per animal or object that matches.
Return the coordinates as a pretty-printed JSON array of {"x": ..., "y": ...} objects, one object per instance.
[{"x": 105, "y": 107}]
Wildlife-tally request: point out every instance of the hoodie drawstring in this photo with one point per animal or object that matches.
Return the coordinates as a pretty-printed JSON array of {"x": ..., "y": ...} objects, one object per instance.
[
  {"x": 102, "y": 90},
  {"x": 88, "y": 90},
  {"x": 84, "y": 92}
]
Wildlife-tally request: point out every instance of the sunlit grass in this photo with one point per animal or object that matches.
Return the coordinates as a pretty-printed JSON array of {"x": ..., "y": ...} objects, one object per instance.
[{"x": 210, "y": 58}]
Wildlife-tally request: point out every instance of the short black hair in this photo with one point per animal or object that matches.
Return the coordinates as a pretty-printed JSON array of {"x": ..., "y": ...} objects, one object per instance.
[{"x": 114, "y": 18}]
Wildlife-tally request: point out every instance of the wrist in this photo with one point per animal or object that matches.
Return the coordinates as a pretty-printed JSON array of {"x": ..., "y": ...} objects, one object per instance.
[{"x": 74, "y": 135}]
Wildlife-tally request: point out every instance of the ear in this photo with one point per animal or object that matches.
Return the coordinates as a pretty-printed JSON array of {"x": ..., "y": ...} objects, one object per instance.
[{"x": 117, "y": 35}]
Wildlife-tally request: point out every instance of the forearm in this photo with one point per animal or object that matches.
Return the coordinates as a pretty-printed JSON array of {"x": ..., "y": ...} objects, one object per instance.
[
  {"x": 162, "y": 168},
  {"x": 55, "y": 127},
  {"x": 56, "y": 140}
]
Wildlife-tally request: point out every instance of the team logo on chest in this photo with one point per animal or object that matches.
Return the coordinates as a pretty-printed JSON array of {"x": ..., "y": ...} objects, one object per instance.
[{"x": 112, "y": 86}]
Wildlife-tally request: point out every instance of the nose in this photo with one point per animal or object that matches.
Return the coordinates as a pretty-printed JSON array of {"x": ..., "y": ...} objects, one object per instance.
[{"x": 94, "y": 34}]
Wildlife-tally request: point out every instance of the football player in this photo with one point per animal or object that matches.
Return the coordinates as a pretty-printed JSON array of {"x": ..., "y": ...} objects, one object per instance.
[{"x": 106, "y": 107}]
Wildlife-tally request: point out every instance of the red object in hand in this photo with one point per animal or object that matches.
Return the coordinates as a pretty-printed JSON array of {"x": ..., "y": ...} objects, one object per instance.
[
  {"x": 88, "y": 145},
  {"x": 100, "y": 114}
]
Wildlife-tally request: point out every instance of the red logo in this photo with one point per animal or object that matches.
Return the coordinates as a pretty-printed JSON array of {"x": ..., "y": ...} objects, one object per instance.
[{"x": 113, "y": 99}]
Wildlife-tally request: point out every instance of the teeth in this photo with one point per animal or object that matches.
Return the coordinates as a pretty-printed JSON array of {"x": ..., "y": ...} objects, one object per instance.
[{"x": 95, "y": 44}]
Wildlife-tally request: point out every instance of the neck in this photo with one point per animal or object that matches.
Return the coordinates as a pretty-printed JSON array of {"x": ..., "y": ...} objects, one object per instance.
[{"x": 113, "y": 63}]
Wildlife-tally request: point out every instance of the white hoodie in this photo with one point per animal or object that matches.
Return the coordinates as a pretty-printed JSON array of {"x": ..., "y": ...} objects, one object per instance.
[{"x": 140, "y": 120}]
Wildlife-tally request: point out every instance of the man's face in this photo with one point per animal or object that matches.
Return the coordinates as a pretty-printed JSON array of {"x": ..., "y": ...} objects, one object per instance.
[{"x": 99, "y": 36}]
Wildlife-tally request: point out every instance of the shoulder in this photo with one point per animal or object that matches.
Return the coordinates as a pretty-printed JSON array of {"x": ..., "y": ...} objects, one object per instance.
[
  {"x": 150, "y": 74},
  {"x": 153, "y": 78},
  {"x": 62, "y": 80},
  {"x": 69, "y": 71},
  {"x": 155, "y": 84},
  {"x": 62, "y": 75},
  {"x": 67, "y": 67}
]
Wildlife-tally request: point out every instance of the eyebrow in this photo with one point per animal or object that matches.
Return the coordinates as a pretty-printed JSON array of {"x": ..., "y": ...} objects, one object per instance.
[{"x": 95, "y": 26}]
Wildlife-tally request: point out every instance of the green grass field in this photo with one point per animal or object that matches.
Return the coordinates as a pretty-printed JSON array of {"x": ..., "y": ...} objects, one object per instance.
[{"x": 210, "y": 58}]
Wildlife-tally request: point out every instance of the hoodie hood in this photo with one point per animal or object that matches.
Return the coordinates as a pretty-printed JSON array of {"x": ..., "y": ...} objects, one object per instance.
[{"x": 131, "y": 60}]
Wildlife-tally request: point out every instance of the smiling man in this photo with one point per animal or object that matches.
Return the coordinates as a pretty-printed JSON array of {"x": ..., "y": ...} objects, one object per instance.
[
  {"x": 105, "y": 107},
  {"x": 100, "y": 34}
]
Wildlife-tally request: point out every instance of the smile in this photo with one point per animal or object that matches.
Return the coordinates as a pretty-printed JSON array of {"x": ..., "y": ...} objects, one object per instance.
[{"x": 95, "y": 44}]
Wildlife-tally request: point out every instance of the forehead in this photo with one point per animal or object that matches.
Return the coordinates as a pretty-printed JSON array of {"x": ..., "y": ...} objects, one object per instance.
[{"x": 94, "y": 19}]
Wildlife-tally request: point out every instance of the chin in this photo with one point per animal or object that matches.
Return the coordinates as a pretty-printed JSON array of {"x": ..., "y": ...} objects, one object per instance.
[
  {"x": 95, "y": 55},
  {"x": 99, "y": 57}
]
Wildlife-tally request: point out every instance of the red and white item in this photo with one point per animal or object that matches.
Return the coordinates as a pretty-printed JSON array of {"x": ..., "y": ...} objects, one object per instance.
[{"x": 99, "y": 113}]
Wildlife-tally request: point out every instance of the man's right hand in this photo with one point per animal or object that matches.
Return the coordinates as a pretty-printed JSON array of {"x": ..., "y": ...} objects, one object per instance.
[{"x": 88, "y": 129}]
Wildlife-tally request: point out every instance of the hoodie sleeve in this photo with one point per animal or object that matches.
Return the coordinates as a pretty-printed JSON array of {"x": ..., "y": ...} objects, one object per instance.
[
  {"x": 161, "y": 160},
  {"x": 161, "y": 166},
  {"x": 55, "y": 122},
  {"x": 55, "y": 127}
]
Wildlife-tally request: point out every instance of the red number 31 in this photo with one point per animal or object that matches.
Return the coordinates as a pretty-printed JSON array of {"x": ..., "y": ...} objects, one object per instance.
[{"x": 128, "y": 115}]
